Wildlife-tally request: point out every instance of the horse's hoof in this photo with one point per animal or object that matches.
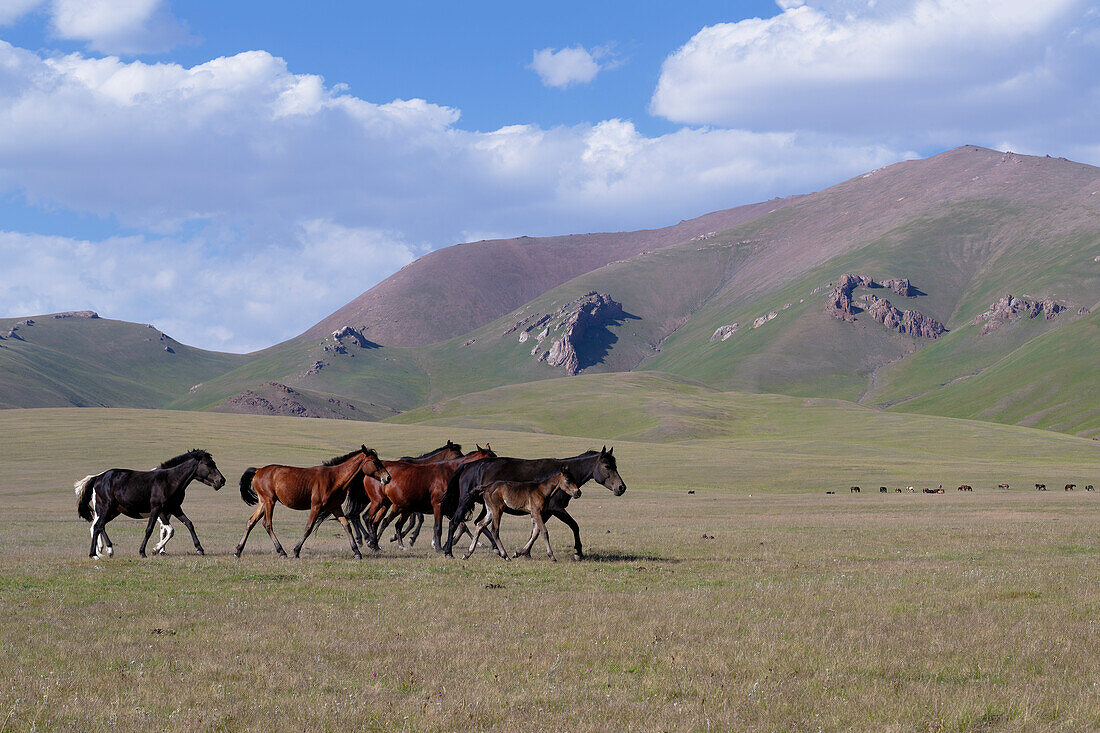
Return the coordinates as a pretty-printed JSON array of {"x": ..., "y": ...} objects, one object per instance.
[
  {"x": 552, "y": 558},
  {"x": 358, "y": 556},
  {"x": 578, "y": 556},
  {"x": 198, "y": 550},
  {"x": 237, "y": 554},
  {"x": 467, "y": 556},
  {"x": 282, "y": 553},
  {"x": 143, "y": 554},
  {"x": 110, "y": 552}
]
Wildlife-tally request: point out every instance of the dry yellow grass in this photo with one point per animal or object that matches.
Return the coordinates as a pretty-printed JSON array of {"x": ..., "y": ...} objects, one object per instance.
[{"x": 805, "y": 611}]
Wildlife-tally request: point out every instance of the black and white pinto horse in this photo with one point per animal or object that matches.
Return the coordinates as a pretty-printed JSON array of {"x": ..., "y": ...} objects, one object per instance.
[
  {"x": 467, "y": 485},
  {"x": 157, "y": 495}
]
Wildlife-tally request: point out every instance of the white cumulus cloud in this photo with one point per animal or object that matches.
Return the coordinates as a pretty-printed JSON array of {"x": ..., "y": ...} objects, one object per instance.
[
  {"x": 925, "y": 70},
  {"x": 565, "y": 67},
  {"x": 283, "y": 196}
]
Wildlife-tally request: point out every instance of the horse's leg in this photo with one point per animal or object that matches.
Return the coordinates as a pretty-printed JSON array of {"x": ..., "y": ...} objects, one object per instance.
[
  {"x": 178, "y": 514},
  {"x": 248, "y": 528},
  {"x": 314, "y": 520},
  {"x": 473, "y": 543},
  {"x": 417, "y": 523},
  {"x": 99, "y": 533},
  {"x": 496, "y": 514},
  {"x": 526, "y": 549},
  {"x": 100, "y": 543},
  {"x": 153, "y": 514},
  {"x": 339, "y": 514},
  {"x": 268, "y": 511},
  {"x": 398, "y": 529},
  {"x": 541, "y": 527},
  {"x": 578, "y": 552},
  {"x": 167, "y": 532}
]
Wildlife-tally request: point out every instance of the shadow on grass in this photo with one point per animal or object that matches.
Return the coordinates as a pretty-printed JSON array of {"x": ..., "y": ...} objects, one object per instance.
[{"x": 628, "y": 557}]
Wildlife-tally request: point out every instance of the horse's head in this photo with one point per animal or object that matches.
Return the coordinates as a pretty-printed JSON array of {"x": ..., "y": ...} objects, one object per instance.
[
  {"x": 561, "y": 482},
  {"x": 606, "y": 472},
  {"x": 372, "y": 466},
  {"x": 207, "y": 470},
  {"x": 480, "y": 453},
  {"x": 450, "y": 451}
]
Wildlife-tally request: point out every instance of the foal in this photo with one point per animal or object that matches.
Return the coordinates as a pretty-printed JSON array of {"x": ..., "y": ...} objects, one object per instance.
[{"x": 530, "y": 496}]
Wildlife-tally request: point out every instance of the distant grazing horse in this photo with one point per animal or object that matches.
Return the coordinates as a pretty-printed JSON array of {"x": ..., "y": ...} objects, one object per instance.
[
  {"x": 1002, "y": 486},
  {"x": 854, "y": 490},
  {"x": 883, "y": 490},
  {"x": 1089, "y": 488},
  {"x": 415, "y": 488},
  {"x": 933, "y": 491},
  {"x": 469, "y": 481},
  {"x": 521, "y": 496},
  {"x": 359, "y": 496},
  {"x": 1070, "y": 487},
  {"x": 897, "y": 490},
  {"x": 153, "y": 494},
  {"x": 320, "y": 489},
  {"x": 1040, "y": 487},
  {"x": 965, "y": 487}
]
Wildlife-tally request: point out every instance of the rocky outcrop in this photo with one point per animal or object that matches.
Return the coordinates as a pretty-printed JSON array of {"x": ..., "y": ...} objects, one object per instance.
[
  {"x": 338, "y": 341},
  {"x": 764, "y": 319},
  {"x": 76, "y": 314},
  {"x": 314, "y": 368},
  {"x": 900, "y": 285},
  {"x": 839, "y": 303},
  {"x": 914, "y": 323},
  {"x": 724, "y": 332},
  {"x": 1010, "y": 308},
  {"x": 571, "y": 323},
  {"x": 909, "y": 322},
  {"x": 275, "y": 398}
]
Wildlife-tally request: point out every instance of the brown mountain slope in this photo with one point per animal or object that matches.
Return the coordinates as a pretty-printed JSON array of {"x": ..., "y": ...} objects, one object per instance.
[{"x": 454, "y": 290}]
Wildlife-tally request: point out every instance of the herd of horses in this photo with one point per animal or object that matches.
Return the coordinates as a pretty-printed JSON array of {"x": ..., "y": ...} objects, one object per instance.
[
  {"x": 964, "y": 487},
  {"x": 364, "y": 493}
]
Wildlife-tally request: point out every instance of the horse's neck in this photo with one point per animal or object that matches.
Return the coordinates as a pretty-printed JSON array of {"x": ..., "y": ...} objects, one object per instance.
[
  {"x": 581, "y": 468},
  {"x": 182, "y": 475},
  {"x": 346, "y": 471}
]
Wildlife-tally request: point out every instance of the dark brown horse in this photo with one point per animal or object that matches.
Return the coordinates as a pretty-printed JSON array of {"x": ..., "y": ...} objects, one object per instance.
[
  {"x": 416, "y": 488},
  {"x": 360, "y": 497},
  {"x": 320, "y": 489},
  {"x": 521, "y": 496}
]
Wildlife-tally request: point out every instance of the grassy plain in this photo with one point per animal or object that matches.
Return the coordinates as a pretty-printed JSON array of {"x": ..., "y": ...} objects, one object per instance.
[{"x": 756, "y": 603}]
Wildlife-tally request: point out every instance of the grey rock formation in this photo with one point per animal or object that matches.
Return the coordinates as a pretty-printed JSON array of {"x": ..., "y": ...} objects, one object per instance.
[
  {"x": 76, "y": 314},
  {"x": 566, "y": 330},
  {"x": 1010, "y": 308},
  {"x": 911, "y": 322},
  {"x": 724, "y": 332}
]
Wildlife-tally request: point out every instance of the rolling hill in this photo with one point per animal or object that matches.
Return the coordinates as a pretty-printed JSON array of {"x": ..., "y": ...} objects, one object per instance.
[{"x": 964, "y": 284}]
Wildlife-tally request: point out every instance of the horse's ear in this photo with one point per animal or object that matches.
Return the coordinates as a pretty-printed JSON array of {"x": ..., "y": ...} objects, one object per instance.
[
  {"x": 611, "y": 451},
  {"x": 487, "y": 447},
  {"x": 477, "y": 445},
  {"x": 603, "y": 451}
]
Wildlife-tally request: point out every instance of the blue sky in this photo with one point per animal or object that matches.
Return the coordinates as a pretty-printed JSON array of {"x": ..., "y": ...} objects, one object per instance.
[{"x": 233, "y": 172}]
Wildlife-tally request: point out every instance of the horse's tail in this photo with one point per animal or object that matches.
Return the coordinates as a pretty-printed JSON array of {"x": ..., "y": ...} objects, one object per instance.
[
  {"x": 84, "y": 495},
  {"x": 248, "y": 494}
]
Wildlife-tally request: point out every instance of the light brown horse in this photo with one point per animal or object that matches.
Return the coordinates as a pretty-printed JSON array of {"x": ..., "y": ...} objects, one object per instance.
[
  {"x": 320, "y": 489},
  {"x": 416, "y": 487},
  {"x": 529, "y": 496}
]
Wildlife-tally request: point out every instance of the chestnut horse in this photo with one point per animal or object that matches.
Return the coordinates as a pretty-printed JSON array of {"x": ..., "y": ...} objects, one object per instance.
[
  {"x": 359, "y": 496},
  {"x": 321, "y": 489},
  {"x": 521, "y": 496},
  {"x": 416, "y": 487}
]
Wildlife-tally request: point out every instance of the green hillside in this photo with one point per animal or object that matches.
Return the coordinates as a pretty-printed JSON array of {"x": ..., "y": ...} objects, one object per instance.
[{"x": 87, "y": 362}]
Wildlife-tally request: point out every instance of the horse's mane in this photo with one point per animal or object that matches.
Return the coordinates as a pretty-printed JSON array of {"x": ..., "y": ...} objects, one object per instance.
[
  {"x": 196, "y": 453},
  {"x": 340, "y": 459},
  {"x": 430, "y": 453}
]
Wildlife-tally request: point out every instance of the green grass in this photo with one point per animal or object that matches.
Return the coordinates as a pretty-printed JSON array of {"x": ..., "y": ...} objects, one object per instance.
[{"x": 756, "y": 603}]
